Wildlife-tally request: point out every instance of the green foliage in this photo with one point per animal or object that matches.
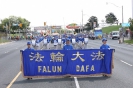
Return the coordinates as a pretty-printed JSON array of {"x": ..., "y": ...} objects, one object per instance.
[
  {"x": 131, "y": 24},
  {"x": 7, "y": 23},
  {"x": 111, "y": 18},
  {"x": 110, "y": 29},
  {"x": 129, "y": 41},
  {"x": 90, "y": 24},
  {"x": 87, "y": 27},
  {"x": 93, "y": 19},
  {"x": 77, "y": 30},
  {"x": 4, "y": 40}
]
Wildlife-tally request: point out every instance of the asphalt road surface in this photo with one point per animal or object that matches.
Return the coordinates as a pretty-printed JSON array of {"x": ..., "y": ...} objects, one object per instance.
[{"x": 122, "y": 76}]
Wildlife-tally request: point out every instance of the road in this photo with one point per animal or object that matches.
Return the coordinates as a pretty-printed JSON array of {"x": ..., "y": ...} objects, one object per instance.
[{"x": 122, "y": 73}]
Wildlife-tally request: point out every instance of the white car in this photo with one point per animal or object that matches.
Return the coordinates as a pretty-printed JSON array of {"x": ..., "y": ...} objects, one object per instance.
[{"x": 115, "y": 34}]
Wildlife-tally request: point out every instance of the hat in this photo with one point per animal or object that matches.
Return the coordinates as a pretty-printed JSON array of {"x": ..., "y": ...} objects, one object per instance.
[
  {"x": 104, "y": 39},
  {"x": 68, "y": 39},
  {"x": 28, "y": 43}
]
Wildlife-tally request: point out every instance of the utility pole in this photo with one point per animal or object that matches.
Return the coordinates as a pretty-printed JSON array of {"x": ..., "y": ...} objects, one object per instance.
[
  {"x": 9, "y": 29},
  {"x": 82, "y": 20},
  {"x": 123, "y": 29},
  {"x": 132, "y": 9}
]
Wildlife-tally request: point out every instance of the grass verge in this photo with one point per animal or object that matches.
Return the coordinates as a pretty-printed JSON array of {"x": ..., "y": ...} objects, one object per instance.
[
  {"x": 129, "y": 41},
  {"x": 110, "y": 28},
  {"x": 4, "y": 41}
]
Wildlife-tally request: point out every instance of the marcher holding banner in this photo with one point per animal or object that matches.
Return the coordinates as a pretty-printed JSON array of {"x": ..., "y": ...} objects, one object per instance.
[
  {"x": 68, "y": 46},
  {"x": 28, "y": 49},
  {"x": 105, "y": 46}
]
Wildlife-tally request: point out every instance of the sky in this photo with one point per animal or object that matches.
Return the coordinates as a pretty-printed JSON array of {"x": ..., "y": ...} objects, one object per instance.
[{"x": 63, "y": 12}]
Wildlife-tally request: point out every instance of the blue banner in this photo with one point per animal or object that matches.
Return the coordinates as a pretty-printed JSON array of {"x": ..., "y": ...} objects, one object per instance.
[{"x": 63, "y": 62}]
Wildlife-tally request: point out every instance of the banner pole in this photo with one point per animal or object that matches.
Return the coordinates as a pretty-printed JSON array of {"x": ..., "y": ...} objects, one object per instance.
[
  {"x": 21, "y": 66},
  {"x": 112, "y": 67}
]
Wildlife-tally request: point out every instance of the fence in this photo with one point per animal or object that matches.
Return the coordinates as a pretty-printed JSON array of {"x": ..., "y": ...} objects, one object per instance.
[{"x": 3, "y": 38}]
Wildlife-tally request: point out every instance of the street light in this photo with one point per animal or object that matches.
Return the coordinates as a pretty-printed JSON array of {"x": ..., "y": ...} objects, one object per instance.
[
  {"x": 132, "y": 9},
  {"x": 117, "y": 6},
  {"x": 83, "y": 21},
  {"x": 122, "y": 16},
  {"x": 82, "y": 17},
  {"x": 0, "y": 21}
]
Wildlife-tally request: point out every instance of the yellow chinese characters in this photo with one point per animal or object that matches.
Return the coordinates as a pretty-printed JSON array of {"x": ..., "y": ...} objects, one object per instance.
[
  {"x": 97, "y": 56},
  {"x": 78, "y": 55},
  {"x": 38, "y": 57},
  {"x": 56, "y": 57}
]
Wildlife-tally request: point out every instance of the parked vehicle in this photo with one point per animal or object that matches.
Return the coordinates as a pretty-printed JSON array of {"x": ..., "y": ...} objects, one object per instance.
[
  {"x": 29, "y": 36},
  {"x": 115, "y": 35},
  {"x": 98, "y": 33}
]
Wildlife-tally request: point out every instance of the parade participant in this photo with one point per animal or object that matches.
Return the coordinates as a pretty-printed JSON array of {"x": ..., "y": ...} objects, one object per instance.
[
  {"x": 77, "y": 39},
  {"x": 55, "y": 43},
  {"x": 73, "y": 41},
  {"x": 63, "y": 41},
  {"x": 29, "y": 49},
  {"x": 49, "y": 39},
  {"x": 37, "y": 44},
  {"x": 45, "y": 42},
  {"x": 34, "y": 42},
  {"x": 80, "y": 42},
  {"x": 68, "y": 46},
  {"x": 29, "y": 46},
  {"x": 85, "y": 41},
  {"x": 59, "y": 42},
  {"x": 104, "y": 46},
  {"x": 82, "y": 39}
]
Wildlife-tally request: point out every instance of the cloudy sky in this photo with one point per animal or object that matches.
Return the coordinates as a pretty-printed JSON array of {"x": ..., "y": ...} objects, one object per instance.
[{"x": 63, "y": 12}]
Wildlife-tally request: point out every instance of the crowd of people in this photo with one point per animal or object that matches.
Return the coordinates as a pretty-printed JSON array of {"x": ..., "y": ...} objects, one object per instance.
[{"x": 21, "y": 37}]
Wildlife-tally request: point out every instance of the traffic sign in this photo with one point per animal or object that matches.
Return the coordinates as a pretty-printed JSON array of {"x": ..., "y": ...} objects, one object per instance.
[
  {"x": 125, "y": 24},
  {"x": 14, "y": 24}
]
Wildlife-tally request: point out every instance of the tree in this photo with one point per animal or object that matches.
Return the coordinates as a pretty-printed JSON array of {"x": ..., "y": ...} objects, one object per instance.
[
  {"x": 14, "y": 23},
  {"x": 111, "y": 18},
  {"x": 87, "y": 27},
  {"x": 131, "y": 24},
  {"x": 130, "y": 20},
  {"x": 76, "y": 30},
  {"x": 93, "y": 20}
]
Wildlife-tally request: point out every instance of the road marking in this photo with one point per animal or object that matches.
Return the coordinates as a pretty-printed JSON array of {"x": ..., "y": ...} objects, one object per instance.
[
  {"x": 13, "y": 80},
  {"x": 126, "y": 63},
  {"x": 6, "y": 52},
  {"x": 92, "y": 48},
  {"x": 76, "y": 82},
  {"x": 42, "y": 49},
  {"x": 120, "y": 47}
]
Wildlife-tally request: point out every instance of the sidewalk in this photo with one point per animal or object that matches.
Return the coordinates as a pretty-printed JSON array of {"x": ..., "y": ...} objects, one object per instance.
[
  {"x": 125, "y": 38},
  {"x": 6, "y": 42}
]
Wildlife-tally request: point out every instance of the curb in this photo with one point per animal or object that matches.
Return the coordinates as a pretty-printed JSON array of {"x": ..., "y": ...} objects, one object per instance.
[
  {"x": 6, "y": 43},
  {"x": 128, "y": 44}
]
